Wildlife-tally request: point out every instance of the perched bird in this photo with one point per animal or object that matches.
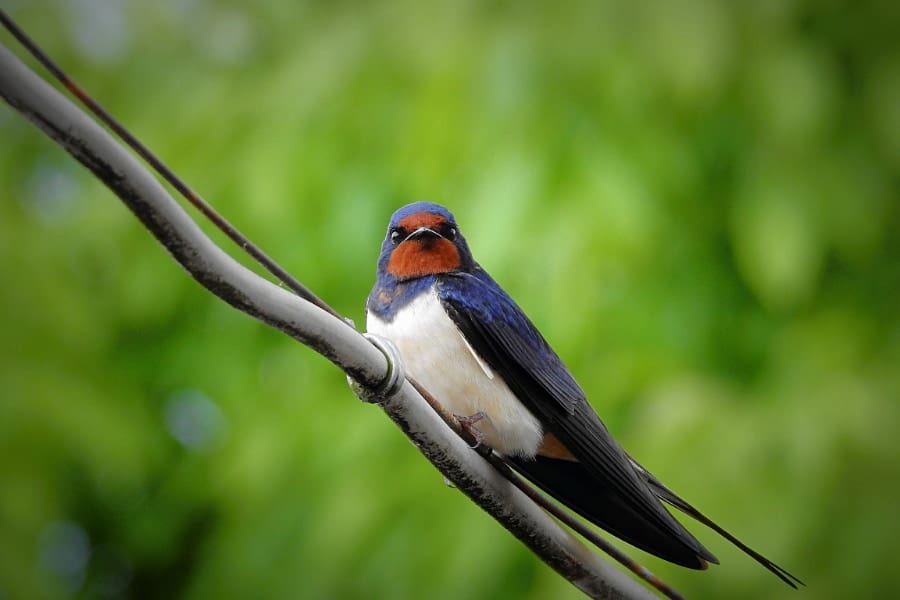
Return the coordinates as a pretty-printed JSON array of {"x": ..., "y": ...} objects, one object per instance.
[{"x": 468, "y": 343}]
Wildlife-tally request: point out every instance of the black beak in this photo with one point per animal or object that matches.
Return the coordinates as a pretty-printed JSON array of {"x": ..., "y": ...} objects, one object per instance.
[{"x": 423, "y": 232}]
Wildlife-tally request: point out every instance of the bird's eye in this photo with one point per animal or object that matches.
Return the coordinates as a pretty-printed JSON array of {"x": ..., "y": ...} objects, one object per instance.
[
  {"x": 396, "y": 235},
  {"x": 451, "y": 233}
]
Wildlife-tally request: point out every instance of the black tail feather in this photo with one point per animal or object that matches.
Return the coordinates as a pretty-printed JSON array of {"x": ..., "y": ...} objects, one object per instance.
[
  {"x": 667, "y": 495},
  {"x": 570, "y": 483}
]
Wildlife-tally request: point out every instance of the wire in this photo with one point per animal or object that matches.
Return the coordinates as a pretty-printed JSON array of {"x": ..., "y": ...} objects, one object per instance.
[{"x": 208, "y": 211}]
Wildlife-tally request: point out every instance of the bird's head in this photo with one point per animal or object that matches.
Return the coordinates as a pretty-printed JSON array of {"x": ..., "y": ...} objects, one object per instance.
[{"x": 423, "y": 239}]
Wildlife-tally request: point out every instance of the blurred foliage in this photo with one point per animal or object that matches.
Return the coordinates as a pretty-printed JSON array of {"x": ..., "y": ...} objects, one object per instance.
[{"x": 696, "y": 201}]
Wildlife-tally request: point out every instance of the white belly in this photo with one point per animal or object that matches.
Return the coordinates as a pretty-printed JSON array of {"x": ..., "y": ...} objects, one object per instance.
[{"x": 436, "y": 355}]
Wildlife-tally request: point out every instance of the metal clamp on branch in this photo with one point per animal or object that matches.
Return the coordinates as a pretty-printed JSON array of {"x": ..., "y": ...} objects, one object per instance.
[{"x": 392, "y": 381}]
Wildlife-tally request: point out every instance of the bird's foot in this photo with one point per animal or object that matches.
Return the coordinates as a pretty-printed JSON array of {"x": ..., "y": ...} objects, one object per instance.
[{"x": 468, "y": 425}]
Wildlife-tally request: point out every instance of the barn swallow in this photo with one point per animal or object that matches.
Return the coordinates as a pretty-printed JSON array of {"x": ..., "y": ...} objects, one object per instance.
[{"x": 468, "y": 343}]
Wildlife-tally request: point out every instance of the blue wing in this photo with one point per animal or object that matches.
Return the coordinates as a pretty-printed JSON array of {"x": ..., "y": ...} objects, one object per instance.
[{"x": 602, "y": 485}]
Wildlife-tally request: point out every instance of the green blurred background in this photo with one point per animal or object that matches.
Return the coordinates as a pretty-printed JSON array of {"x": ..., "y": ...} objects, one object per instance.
[{"x": 696, "y": 201}]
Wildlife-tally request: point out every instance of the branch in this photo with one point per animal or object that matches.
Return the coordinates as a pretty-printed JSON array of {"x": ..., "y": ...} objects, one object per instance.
[{"x": 337, "y": 341}]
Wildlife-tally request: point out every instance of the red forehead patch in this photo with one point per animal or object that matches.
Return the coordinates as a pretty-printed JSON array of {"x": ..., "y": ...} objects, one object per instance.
[
  {"x": 422, "y": 219},
  {"x": 424, "y": 256}
]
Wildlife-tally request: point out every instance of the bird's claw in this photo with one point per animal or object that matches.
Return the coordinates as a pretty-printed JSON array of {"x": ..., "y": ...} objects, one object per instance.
[{"x": 467, "y": 424}]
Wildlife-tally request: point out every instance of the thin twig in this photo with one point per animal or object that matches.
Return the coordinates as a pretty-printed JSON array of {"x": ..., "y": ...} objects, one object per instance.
[
  {"x": 541, "y": 500},
  {"x": 199, "y": 203}
]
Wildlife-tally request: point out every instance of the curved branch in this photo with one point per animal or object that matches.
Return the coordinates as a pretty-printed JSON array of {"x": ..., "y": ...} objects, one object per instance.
[{"x": 91, "y": 145}]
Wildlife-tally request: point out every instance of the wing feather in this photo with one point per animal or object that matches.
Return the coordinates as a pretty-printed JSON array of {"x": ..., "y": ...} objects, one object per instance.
[{"x": 497, "y": 329}]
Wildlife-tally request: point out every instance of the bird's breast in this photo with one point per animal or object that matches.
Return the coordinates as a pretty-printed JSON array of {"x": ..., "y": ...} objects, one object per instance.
[{"x": 437, "y": 355}]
